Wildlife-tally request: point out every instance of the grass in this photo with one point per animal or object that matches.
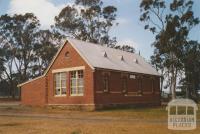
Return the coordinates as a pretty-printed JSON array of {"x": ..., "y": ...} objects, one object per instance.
[{"x": 27, "y": 120}]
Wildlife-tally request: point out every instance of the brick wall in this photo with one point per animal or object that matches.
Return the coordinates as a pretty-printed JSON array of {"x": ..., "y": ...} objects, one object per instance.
[
  {"x": 41, "y": 91},
  {"x": 115, "y": 94},
  {"x": 33, "y": 93},
  {"x": 73, "y": 60}
]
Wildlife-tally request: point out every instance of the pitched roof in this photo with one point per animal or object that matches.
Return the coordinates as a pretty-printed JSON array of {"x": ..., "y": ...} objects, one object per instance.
[{"x": 98, "y": 56}]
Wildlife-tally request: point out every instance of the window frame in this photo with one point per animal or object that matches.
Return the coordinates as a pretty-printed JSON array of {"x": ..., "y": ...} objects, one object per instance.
[
  {"x": 124, "y": 82},
  {"x": 140, "y": 84},
  {"x": 77, "y": 86},
  {"x": 106, "y": 88},
  {"x": 152, "y": 84},
  {"x": 60, "y": 83}
]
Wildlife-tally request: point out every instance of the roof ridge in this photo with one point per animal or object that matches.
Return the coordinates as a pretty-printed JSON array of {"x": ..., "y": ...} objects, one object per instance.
[{"x": 103, "y": 46}]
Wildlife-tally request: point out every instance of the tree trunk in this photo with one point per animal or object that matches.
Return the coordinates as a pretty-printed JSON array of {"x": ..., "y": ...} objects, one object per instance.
[
  {"x": 174, "y": 76},
  {"x": 173, "y": 85},
  {"x": 12, "y": 89},
  {"x": 173, "y": 71},
  {"x": 161, "y": 85},
  {"x": 162, "y": 80}
]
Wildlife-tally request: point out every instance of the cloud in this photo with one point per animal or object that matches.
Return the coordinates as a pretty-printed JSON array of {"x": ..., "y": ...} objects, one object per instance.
[
  {"x": 129, "y": 42},
  {"x": 122, "y": 21},
  {"x": 119, "y": 1},
  {"x": 43, "y": 9}
]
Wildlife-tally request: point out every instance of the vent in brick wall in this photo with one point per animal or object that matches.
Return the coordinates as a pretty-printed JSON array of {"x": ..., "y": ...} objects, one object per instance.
[{"x": 67, "y": 54}]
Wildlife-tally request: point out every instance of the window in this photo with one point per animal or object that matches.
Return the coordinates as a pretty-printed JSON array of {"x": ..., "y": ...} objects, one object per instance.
[
  {"x": 124, "y": 84},
  {"x": 140, "y": 84},
  {"x": 132, "y": 76},
  {"x": 152, "y": 84},
  {"x": 76, "y": 83},
  {"x": 60, "y": 80},
  {"x": 106, "y": 82}
]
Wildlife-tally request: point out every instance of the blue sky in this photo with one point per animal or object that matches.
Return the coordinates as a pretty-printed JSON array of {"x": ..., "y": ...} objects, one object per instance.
[{"x": 129, "y": 31}]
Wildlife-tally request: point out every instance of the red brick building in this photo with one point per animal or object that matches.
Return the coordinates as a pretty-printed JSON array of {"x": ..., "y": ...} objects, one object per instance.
[{"x": 85, "y": 74}]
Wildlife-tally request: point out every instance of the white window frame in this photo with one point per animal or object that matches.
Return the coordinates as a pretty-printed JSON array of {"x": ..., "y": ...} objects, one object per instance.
[
  {"x": 76, "y": 83},
  {"x": 60, "y": 81}
]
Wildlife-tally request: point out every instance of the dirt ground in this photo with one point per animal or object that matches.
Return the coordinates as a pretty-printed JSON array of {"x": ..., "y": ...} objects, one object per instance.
[{"x": 27, "y": 120}]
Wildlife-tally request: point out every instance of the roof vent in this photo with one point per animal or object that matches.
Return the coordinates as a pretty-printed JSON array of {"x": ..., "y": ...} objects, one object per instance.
[
  {"x": 136, "y": 61},
  {"x": 122, "y": 58},
  {"x": 104, "y": 54}
]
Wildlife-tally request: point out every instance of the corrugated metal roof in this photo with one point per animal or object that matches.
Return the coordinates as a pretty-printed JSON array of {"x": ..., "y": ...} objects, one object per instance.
[{"x": 100, "y": 56}]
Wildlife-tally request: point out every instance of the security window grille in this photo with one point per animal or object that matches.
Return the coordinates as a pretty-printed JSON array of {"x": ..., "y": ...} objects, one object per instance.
[
  {"x": 60, "y": 80},
  {"x": 76, "y": 83}
]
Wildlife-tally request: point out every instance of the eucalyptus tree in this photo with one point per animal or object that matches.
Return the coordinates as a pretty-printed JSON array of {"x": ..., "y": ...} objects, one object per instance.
[
  {"x": 1, "y": 63},
  {"x": 191, "y": 62},
  {"x": 45, "y": 48},
  {"x": 171, "y": 23},
  {"x": 87, "y": 20},
  {"x": 126, "y": 48},
  {"x": 26, "y": 50},
  {"x": 18, "y": 33}
]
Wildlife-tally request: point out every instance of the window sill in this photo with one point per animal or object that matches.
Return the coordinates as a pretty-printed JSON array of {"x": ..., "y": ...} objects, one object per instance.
[
  {"x": 60, "y": 95},
  {"x": 74, "y": 95},
  {"x": 127, "y": 95},
  {"x": 106, "y": 91}
]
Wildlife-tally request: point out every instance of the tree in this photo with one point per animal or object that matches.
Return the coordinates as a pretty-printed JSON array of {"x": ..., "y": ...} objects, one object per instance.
[
  {"x": 45, "y": 48},
  {"x": 158, "y": 63},
  {"x": 18, "y": 34},
  {"x": 126, "y": 48},
  {"x": 1, "y": 63},
  {"x": 87, "y": 20},
  {"x": 171, "y": 24},
  {"x": 191, "y": 61},
  {"x": 26, "y": 50}
]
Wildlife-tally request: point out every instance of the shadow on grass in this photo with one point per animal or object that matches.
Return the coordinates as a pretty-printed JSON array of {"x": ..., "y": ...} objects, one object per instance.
[
  {"x": 78, "y": 131},
  {"x": 10, "y": 124},
  {"x": 133, "y": 108}
]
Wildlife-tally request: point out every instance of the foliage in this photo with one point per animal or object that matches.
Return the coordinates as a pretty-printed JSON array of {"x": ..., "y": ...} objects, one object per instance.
[
  {"x": 25, "y": 48},
  {"x": 126, "y": 48},
  {"x": 191, "y": 61},
  {"x": 172, "y": 23},
  {"x": 1, "y": 63},
  {"x": 17, "y": 34},
  {"x": 45, "y": 49},
  {"x": 87, "y": 20}
]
